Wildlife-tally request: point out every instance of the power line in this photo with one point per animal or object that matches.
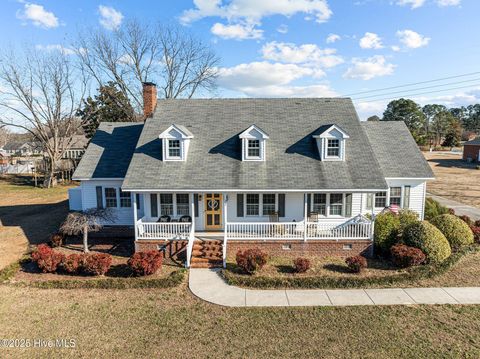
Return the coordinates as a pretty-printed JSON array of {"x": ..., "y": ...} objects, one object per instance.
[
  {"x": 413, "y": 84},
  {"x": 419, "y": 88}
]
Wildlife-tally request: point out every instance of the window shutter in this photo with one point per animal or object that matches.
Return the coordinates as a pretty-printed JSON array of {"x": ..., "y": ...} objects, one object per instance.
[
  {"x": 99, "y": 197},
  {"x": 369, "y": 201},
  {"x": 281, "y": 204},
  {"x": 137, "y": 195},
  {"x": 239, "y": 204},
  {"x": 309, "y": 204},
  {"x": 153, "y": 205},
  {"x": 195, "y": 203},
  {"x": 348, "y": 205},
  {"x": 406, "y": 197}
]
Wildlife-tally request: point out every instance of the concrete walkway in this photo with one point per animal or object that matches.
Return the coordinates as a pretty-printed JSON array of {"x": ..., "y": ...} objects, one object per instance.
[
  {"x": 460, "y": 208},
  {"x": 209, "y": 286}
]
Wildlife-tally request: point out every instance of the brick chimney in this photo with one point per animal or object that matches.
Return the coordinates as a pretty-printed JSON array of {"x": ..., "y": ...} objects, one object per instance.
[{"x": 149, "y": 98}]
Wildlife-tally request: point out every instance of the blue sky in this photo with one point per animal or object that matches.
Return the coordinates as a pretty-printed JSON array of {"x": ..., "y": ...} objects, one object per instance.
[{"x": 288, "y": 48}]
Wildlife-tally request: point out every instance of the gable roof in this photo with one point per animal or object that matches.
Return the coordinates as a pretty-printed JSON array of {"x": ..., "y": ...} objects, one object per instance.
[
  {"x": 246, "y": 133},
  {"x": 185, "y": 132},
  {"x": 292, "y": 159},
  {"x": 396, "y": 150},
  {"x": 324, "y": 130},
  {"x": 110, "y": 151},
  {"x": 475, "y": 141}
]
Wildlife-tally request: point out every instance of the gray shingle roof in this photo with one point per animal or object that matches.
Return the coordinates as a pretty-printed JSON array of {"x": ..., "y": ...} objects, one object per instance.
[
  {"x": 110, "y": 151},
  {"x": 475, "y": 141},
  {"x": 292, "y": 159},
  {"x": 396, "y": 150}
]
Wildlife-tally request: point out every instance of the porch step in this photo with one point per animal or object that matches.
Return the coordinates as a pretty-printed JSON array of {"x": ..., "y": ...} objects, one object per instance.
[{"x": 207, "y": 253}]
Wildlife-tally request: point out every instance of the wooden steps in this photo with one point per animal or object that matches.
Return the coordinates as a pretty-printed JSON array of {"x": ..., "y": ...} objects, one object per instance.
[{"x": 207, "y": 253}]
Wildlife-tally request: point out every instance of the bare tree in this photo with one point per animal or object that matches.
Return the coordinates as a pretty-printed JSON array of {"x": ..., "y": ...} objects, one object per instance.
[
  {"x": 41, "y": 94},
  {"x": 4, "y": 136},
  {"x": 140, "y": 52},
  {"x": 91, "y": 220}
]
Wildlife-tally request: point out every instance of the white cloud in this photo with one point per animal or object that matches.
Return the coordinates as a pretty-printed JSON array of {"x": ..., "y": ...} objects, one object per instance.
[
  {"x": 371, "y": 41},
  {"x": 414, "y": 4},
  {"x": 396, "y": 48},
  {"x": 290, "y": 91},
  {"x": 236, "y": 31},
  {"x": 110, "y": 18},
  {"x": 412, "y": 39},
  {"x": 367, "y": 69},
  {"x": 283, "y": 29},
  {"x": 443, "y": 3},
  {"x": 38, "y": 16},
  {"x": 333, "y": 38},
  {"x": 307, "y": 54},
  {"x": 56, "y": 47}
]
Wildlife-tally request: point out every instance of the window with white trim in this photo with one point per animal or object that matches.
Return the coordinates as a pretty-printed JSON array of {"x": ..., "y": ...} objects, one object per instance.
[
  {"x": 166, "y": 204},
  {"x": 320, "y": 203},
  {"x": 380, "y": 199},
  {"x": 333, "y": 148},
  {"x": 268, "y": 204},
  {"x": 111, "y": 197},
  {"x": 395, "y": 196},
  {"x": 336, "y": 204},
  {"x": 174, "y": 149},
  {"x": 183, "y": 207},
  {"x": 253, "y": 148},
  {"x": 125, "y": 199},
  {"x": 253, "y": 204}
]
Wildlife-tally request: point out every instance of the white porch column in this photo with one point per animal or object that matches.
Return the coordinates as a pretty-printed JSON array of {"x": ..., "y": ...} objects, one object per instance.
[
  {"x": 225, "y": 224},
  {"x": 192, "y": 210},
  {"x": 305, "y": 216},
  {"x": 135, "y": 214}
]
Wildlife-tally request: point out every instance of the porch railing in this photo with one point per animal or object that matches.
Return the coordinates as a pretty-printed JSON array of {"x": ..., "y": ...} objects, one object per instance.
[{"x": 167, "y": 231}]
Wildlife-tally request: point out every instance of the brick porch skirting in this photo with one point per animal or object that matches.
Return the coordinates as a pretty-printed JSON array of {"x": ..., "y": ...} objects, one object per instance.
[
  {"x": 175, "y": 250},
  {"x": 295, "y": 248}
]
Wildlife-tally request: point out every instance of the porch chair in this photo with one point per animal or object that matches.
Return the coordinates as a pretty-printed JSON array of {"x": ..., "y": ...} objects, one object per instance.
[
  {"x": 185, "y": 219},
  {"x": 164, "y": 219}
]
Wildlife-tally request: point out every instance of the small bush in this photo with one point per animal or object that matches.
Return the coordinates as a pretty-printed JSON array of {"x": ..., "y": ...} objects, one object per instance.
[
  {"x": 407, "y": 217},
  {"x": 56, "y": 240},
  {"x": 251, "y": 260},
  {"x": 451, "y": 211},
  {"x": 404, "y": 256},
  {"x": 145, "y": 263},
  {"x": 434, "y": 209},
  {"x": 387, "y": 227},
  {"x": 429, "y": 239},
  {"x": 46, "y": 258},
  {"x": 476, "y": 233},
  {"x": 356, "y": 263},
  {"x": 301, "y": 265},
  {"x": 477, "y": 223},
  {"x": 457, "y": 232},
  {"x": 97, "y": 263},
  {"x": 467, "y": 220},
  {"x": 73, "y": 263}
]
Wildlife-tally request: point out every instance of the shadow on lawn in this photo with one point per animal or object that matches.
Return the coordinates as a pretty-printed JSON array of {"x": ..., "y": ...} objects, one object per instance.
[{"x": 453, "y": 163}]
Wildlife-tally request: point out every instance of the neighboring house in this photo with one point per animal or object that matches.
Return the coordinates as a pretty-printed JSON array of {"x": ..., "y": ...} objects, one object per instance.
[
  {"x": 471, "y": 150},
  {"x": 3, "y": 159},
  {"x": 75, "y": 147},
  {"x": 292, "y": 176},
  {"x": 23, "y": 149}
]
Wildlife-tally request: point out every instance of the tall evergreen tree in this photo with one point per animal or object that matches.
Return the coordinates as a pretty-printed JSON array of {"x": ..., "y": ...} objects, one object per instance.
[{"x": 411, "y": 113}]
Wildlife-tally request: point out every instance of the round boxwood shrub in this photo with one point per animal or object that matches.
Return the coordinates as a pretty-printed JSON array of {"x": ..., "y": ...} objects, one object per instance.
[
  {"x": 145, "y": 263},
  {"x": 457, "y": 232},
  {"x": 356, "y": 263},
  {"x": 407, "y": 217},
  {"x": 251, "y": 260},
  {"x": 301, "y": 265},
  {"x": 429, "y": 239},
  {"x": 404, "y": 256},
  {"x": 387, "y": 227}
]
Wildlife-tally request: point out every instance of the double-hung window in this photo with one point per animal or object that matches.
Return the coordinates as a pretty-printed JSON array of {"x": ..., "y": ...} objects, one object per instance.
[
  {"x": 183, "y": 208},
  {"x": 111, "y": 197},
  {"x": 395, "y": 196},
  {"x": 380, "y": 199},
  {"x": 336, "y": 204},
  {"x": 166, "y": 204},
  {"x": 253, "y": 148},
  {"x": 125, "y": 199},
  {"x": 253, "y": 204},
  {"x": 333, "y": 148},
  {"x": 268, "y": 204},
  {"x": 320, "y": 203},
  {"x": 174, "y": 149}
]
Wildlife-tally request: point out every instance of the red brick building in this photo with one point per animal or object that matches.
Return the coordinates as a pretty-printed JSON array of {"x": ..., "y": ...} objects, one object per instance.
[{"x": 471, "y": 150}]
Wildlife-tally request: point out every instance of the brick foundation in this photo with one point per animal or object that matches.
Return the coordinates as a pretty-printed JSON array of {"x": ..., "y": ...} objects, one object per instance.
[
  {"x": 310, "y": 248},
  {"x": 174, "y": 250}
]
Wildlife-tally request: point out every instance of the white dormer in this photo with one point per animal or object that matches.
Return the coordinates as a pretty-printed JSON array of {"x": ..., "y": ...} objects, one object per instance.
[
  {"x": 331, "y": 143},
  {"x": 175, "y": 143},
  {"x": 254, "y": 142}
]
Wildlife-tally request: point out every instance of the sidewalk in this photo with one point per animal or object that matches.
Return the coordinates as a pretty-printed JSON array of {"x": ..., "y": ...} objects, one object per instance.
[
  {"x": 460, "y": 208},
  {"x": 209, "y": 286}
]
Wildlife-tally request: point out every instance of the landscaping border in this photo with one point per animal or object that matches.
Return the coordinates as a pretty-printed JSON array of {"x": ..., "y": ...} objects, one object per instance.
[{"x": 329, "y": 282}]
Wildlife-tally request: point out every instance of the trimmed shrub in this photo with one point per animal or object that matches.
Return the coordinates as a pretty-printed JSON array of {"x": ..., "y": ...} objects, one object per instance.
[
  {"x": 451, "y": 211},
  {"x": 457, "y": 232},
  {"x": 477, "y": 223},
  {"x": 56, "y": 240},
  {"x": 97, "y": 263},
  {"x": 407, "y": 217},
  {"x": 387, "y": 227},
  {"x": 46, "y": 258},
  {"x": 404, "y": 256},
  {"x": 429, "y": 239},
  {"x": 467, "y": 220},
  {"x": 145, "y": 263},
  {"x": 251, "y": 260},
  {"x": 356, "y": 263},
  {"x": 73, "y": 263},
  {"x": 301, "y": 265},
  {"x": 434, "y": 209}
]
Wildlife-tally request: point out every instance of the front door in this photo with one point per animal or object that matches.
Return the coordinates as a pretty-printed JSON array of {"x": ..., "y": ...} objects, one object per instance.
[{"x": 213, "y": 211}]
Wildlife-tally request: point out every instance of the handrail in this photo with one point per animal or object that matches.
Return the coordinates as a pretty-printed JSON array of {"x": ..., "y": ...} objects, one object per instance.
[{"x": 191, "y": 240}]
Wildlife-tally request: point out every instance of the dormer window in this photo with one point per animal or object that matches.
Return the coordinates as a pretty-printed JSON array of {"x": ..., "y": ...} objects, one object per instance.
[
  {"x": 254, "y": 142},
  {"x": 331, "y": 143},
  {"x": 175, "y": 143}
]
